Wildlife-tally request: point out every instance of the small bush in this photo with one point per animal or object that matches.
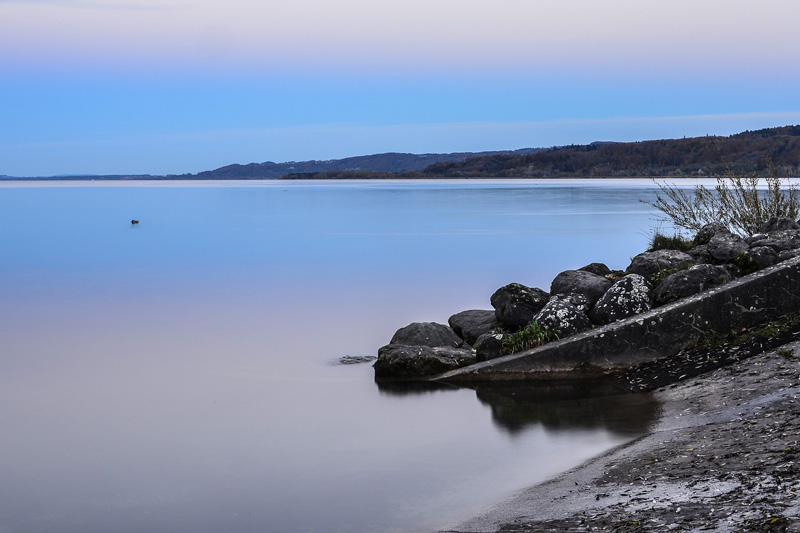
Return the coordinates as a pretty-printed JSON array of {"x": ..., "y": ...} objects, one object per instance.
[
  {"x": 735, "y": 201},
  {"x": 746, "y": 264},
  {"x": 528, "y": 338}
]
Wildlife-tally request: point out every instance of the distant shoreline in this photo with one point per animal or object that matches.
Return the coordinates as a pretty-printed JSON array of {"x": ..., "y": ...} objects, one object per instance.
[
  {"x": 760, "y": 152},
  {"x": 334, "y": 180}
]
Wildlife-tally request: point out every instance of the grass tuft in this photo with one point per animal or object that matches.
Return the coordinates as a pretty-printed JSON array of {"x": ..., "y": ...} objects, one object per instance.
[
  {"x": 659, "y": 241},
  {"x": 525, "y": 339}
]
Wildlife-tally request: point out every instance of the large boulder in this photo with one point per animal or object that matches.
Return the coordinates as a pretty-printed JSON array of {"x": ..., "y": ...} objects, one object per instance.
[
  {"x": 787, "y": 254},
  {"x": 759, "y": 257},
  {"x": 515, "y": 304},
  {"x": 629, "y": 296},
  {"x": 580, "y": 301},
  {"x": 403, "y": 361},
  {"x": 489, "y": 346},
  {"x": 708, "y": 231},
  {"x": 650, "y": 264},
  {"x": 562, "y": 318},
  {"x": 596, "y": 268},
  {"x": 700, "y": 254},
  {"x": 781, "y": 241},
  {"x": 426, "y": 334},
  {"x": 778, "y": 224},
  {"x": 691, "y": 281},
  {"x": 469, "y": 325},
  {"x": 726, "y": 247},
  {"x": 580, "y": 282}
]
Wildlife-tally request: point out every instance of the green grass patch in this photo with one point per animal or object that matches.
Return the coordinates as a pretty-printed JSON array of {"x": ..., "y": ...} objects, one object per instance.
[
  {"x": 525, "y": 339},
  {"x": 659, "y": 241}
]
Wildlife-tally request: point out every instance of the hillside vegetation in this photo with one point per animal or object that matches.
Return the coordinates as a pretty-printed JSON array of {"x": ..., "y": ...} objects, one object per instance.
[{"x": 692, "y": 157}]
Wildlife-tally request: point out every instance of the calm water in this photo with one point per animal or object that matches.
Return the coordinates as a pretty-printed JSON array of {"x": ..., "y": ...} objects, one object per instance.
[{"x": 180, "y": 375}]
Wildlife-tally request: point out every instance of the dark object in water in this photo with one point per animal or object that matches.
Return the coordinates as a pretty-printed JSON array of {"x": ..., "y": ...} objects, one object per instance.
[
  {"x": 134, "y": 221},
  {"x": 356, "y": 359}
]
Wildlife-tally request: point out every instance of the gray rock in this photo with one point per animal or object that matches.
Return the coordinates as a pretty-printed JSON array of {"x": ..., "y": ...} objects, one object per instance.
[
  {"x": 762, "y": 256},
  {"x": 489, "y": 346},
  {"x": 709, "y": 230},
  {"x": 356, "y": 359},
  {"x": 581, "y": 282},
  {"x": 700, "y": 254},
  {"x": 650, "y": 264},
  {"x": 787, "y": 254},
  {"x": 402, "y": 361},
  {"x": 515, "y": 304},
  {"x": 629, "y": 296},
  {"x": 469, "y": 325},
  {"x": 778, "y": 224},
  {"x": 726, "y": 247},
  {"x": 562, "y": 318},
  {"x": 596, "y": 268},
  {"x": 580, "y": 301},
  {"x": 426, "y": 334},
  {"x": 753, "y": 239},
  {"x": 733, "y": 270},
  {"x": 691, "y": 281},
  {"x": 781, "y": 241}
]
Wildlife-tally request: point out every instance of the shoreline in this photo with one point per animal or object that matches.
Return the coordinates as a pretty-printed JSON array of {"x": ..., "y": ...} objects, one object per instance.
[{"x": 724, "y": 456}]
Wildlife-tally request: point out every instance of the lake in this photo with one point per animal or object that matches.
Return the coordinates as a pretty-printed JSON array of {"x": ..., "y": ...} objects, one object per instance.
[{"x": 182, "y": 374}]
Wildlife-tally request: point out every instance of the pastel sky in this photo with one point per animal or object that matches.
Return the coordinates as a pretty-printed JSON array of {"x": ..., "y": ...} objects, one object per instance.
[{"x": 175, "y": 86}]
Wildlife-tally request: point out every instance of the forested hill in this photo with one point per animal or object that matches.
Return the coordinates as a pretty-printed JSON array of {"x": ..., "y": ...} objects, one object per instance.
[
  {"x": 698, "y": 156},
  {"x": 692, "y": 157},
  {"x": 389, "y": 162}
]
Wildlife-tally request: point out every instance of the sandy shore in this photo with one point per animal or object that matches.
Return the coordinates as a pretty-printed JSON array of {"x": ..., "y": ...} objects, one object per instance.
[{"x": 723, "y": 457}]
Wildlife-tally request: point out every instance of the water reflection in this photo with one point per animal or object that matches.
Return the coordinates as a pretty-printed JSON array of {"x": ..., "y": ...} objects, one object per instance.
[
  {"x": 554, "y": 406},
  {"x": 566, "y": 406},
  {"x": 412, "y": 388}
]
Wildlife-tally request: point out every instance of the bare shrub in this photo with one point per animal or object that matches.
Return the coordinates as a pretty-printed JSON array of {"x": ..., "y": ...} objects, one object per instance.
[{"x": 735, "y": 200}]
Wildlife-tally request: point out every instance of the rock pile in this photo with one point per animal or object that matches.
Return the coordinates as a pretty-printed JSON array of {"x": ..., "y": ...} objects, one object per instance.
[{"x": 590, "y": 296}]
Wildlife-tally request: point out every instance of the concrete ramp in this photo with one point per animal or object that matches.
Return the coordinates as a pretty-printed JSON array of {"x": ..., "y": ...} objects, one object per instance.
[{"x": 662, "y": 332}]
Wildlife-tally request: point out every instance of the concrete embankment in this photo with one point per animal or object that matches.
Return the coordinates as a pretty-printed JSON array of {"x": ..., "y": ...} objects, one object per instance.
[{"x": 662, "y": 332}]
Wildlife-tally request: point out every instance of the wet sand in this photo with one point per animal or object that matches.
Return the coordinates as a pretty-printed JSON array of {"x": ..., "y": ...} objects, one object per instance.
[{"x": 723, "y": 457}]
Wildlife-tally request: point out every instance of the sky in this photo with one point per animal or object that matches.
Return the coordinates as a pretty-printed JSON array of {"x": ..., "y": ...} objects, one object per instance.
[{"x": 177, "y": 86}]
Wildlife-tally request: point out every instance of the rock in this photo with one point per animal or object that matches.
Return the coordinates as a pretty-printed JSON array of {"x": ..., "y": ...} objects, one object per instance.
[
  {"x": 700, "y": 254},
  {"x": 597, "y": 268},
  {"x": 787, "y": 254},
  {"x": 709, "y": 230},
  {"x": 356, "y": 359},
  {"x": 581, "y": 282},
  {"x": 629, "y": 296},
  {"x": 726, "y": 247},
  {"x": 489, "y": 346},
  {"x": 691, "y": 281},
  {"x": 650, "y": 264},
  {"x": 778, "y": 224},
  {"x": 562, "y": 318},
  {"x": 753, "y": 239},
  {"x": 761, "y": 257},
  {"x": 515, "y": 304},
  {"x": 580, "y": 301},
  {"x": 403, "y": 361},
  {"x": 469, "y": 325},
  {"x": 781, "y": 241},
  {"x": 426, "y": 334},
  {"x": 733, "y": 270}
]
